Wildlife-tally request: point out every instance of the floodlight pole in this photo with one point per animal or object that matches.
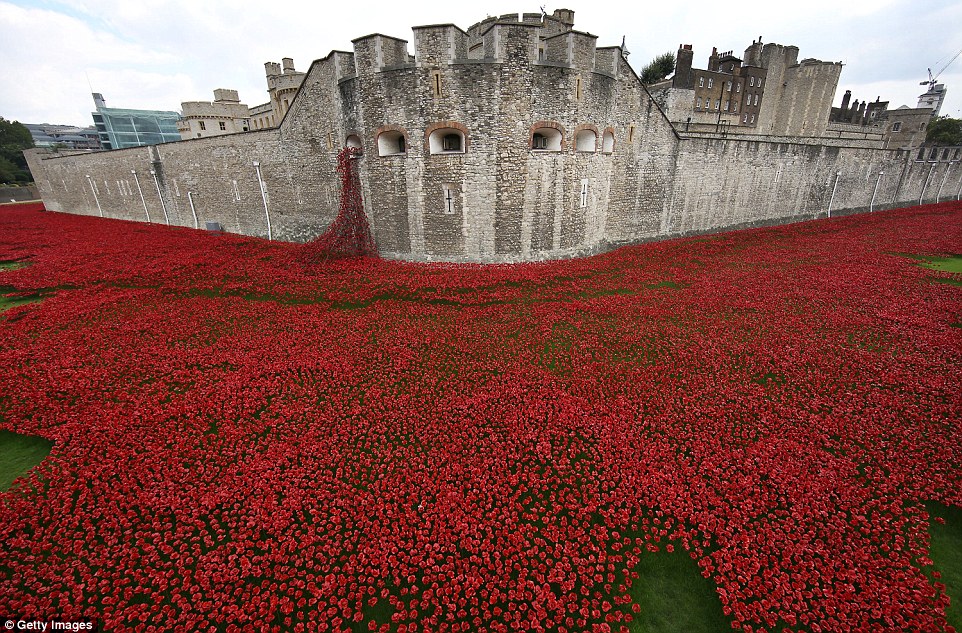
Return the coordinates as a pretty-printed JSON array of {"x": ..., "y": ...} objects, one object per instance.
[
  {"x": 925, "y": 186},
  {"x": 838, "y": 175},
  {"x": 944, "y": 178},
  {"x": 267, "y": 211},
  {"x": 871, "y": 206},
  {"x": 141, "y": 192},
  {"x": 94, "y": 190},
  {"x": 190, "y": 199},
  {"x": 163, "y": 204}
]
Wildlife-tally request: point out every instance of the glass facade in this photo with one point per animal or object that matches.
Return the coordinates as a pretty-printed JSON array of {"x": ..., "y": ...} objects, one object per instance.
[{"x": 119, "y": 128}]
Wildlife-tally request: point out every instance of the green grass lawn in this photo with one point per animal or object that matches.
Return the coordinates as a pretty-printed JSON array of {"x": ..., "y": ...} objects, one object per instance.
[
  {"x": 18, "y": 454},
  {"x": 952, "y": 264},
  {"x": 674, "y": 596},
  {"x": 946, "y": 552}
]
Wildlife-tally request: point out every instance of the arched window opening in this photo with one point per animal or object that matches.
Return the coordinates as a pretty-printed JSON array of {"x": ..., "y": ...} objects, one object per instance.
[
  {"x": 391, "y": 143},
  {"x": 546, "y": 139},
  {"x": 608, "y": 142},
  {"x": 354, "y": 141},
  {"x": 446, "y": 140},
  {"x": 586, "y": 141}
]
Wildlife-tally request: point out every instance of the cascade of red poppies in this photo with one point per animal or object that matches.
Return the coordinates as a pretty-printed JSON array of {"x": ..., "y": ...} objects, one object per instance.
[{"x": 349, "y": 235}]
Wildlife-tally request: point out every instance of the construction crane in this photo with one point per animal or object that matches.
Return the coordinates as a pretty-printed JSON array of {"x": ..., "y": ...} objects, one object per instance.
[{"x": 931, "y": 80}]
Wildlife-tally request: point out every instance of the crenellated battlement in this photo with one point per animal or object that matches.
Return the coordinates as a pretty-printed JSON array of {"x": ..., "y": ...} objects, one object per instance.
[{"x": 494, "y": 39}]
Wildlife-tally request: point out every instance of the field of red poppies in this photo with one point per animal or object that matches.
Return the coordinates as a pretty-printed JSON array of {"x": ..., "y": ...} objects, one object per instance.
[{"x": 242, "y": 441}]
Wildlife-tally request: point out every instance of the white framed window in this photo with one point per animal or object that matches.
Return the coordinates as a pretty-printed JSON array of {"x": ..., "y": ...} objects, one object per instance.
[
  {"x": 729, "y": 86},
  {"x": 759, "y": 82},
  {"x": 236, "y": 190},
  {"x": 698, "y": 102},
  {"x": 607, "y": 142},
  {"x": 738, "y": 86},
  {"x": 446, "y": 140},
  {"x": 717, "y": 104},
  {"x": 745, "y": 119},
  {"x": 586, "y": 141},
  {"x": 710, "y": 82},
  {"x": 701, "y": 82},
  {"x": 391, "y": 143},
  {"x": 751, "y": 82},
  {"x": 756, "y": 98},
  {"x": 753, "y": 118},
  {"x": 727, "y": 105},
  {"x": 546, "y": 139}
]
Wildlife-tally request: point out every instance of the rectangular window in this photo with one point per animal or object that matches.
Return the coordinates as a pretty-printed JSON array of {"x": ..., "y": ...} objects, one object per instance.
[
  {"x": 717, "y": 104},
  {"x": 745, "y": 119},
  {"x": 578, "y": 88},
  {"x": 751, "y": 82},
  {"x": 759, "y": 82},
  {"x": 921, "y": 154},
  {"x": 710, "y": 82},
  {"x": 584, "y": 193},
  {"x": 753, "y": 119},
  {"x": 727, "y": 105},
  {"x": 436, "y": 83},
  {"x": 698, "y": 102},
  {"x": 897, "y": 126},
  {"x": 203, "y": 126},
  {"x": 738, "y": 87},
  {"x": 701, "y": 82},
  {"x": 631, "y": 133},
  {"x": 729, "y": 86},
  {"x": 176, "y": 189},
  {"x": 223, "y": 126},
  {"x": 236, "y": 190},
  {"x": 756, "y": 98},
  {"x": 735, "y": 107}
]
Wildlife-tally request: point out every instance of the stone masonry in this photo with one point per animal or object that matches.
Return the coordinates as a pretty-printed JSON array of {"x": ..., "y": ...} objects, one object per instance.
[{"x": 516, "y": 140}]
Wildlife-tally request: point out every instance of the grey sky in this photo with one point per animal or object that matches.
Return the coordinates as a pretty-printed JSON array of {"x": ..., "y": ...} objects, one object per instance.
[{"x": 155, "y": 54}]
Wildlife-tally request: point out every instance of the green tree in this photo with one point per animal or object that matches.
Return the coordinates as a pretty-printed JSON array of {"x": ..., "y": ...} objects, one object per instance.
[
  {"x": 659, "y": 68},
  {"x": 14, "y": 138},
  {"x": 944, "y": 131}
]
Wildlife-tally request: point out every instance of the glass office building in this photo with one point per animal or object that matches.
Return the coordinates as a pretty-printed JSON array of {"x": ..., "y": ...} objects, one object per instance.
[{"x": 119, "y": 127}]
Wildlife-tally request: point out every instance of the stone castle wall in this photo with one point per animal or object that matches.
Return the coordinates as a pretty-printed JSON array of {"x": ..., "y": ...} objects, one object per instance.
[{"x": 500, "y": 199}]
